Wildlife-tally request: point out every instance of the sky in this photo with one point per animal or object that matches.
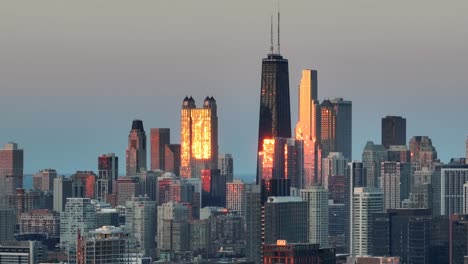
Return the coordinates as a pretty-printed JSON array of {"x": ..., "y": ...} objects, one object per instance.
[{"x": 74, "y": 74}]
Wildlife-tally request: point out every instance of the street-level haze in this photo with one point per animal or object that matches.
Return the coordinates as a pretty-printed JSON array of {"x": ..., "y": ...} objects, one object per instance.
[{"x": 74, "y": 74}]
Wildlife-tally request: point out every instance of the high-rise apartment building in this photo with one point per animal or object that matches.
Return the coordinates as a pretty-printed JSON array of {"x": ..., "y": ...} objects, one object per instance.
[
  {"x": 11, "y": 169},
  {"x": 136, "y": 149},
  {"x": 198, "y": 137},
  {"x": 395, "y": 183},
  {"x": 355, "y": 177},
  {"x": 366, "y": 201},
  {"x": 328, "y": 127},
  {"x": 173, "y": 229},
  {"x": 140, "y": 221},
  {"x": 253, "y": 222},
  {"x": 40, "y": 221},
  {"x": 62, "y": 190},
  {"x": 7, "y": 224},
  {"x": 226, "y": 166},
  {"x": 308, "y": 127},
  {"x": 336, "y": 226},
  {"x": 344, "y": 121},
  {"x": 44, "y": 180},
  {"x": 393, "y": 131},
  {"x": 372, "y": 157},
  {"x": 79, "y": 217},
  {"x": 333, "y": 165},
  {"x": 108, "y": 172},
  {"x": 172, "y": 158},
  {"x": 236, "y": 199},
  {"x": 285, "y": 219},
  {"x": 317, "y": 214},
  {"x": 107, "y": 244},
  {"x": 159, "y": 138},
  {"x": 403, "y": 232},
  {"x": 447, "y": 183}
]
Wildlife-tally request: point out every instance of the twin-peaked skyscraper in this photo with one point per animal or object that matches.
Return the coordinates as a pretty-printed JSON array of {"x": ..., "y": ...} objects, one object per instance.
[{"x": 198, "y": 138}]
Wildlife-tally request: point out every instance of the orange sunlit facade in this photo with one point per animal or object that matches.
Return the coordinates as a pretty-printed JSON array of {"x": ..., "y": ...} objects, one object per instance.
[
  {"x": 267, "y": 158},
  {"x": 328, "y": 128},
  {"x": 199, "y": 137},
  {"x": 308, "y": 127}
]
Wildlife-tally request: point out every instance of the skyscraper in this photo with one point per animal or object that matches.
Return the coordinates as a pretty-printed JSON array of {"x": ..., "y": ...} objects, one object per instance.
[
  {"x": 83, "y": 184},
  {"x": 79, "y": 217},
  {"x": 280, "y": 165},
  {"x": 423, "y": 153},
  {"x": 333, "y": 165},
  {"x": 159, "y": 138},
  {"x": 253, "y": 222},
  {"x": 127, "y": 188},
  {"x": 372, "y": 157},
  {"x": 317, "y": 214},
  {"x": 226, "y": 166},
  {"x": 172, "y": 158},
  {"x": 448, "y": 183},
  {"x": 107, "y": 244},
  {"x": 285, "y": 219},
  {"x": 393, "y": 131},
  {"x": 404, "y": 233},
  {"x": 236, "y": 197},
  {"x": 136, "y": 149},
  {"x": 275, "y": 113},
  {"x": 366, "y": 201},
  {"x": 355, "y": 177},
  {"x": 344, "y": 121},
  {"x": 390, "y": 184},
  {"x": 140, "y": 220},
  {"x": 466, "y": 156},
  {"x": 44, "y": 180},
  {"x": 7, "y": 224},
  {"x": 173, "y": 229},
  {"x": 108, "y": 172},
  {"x": 308, "y": 127},
  {"x": 11, "y": 169},
  {"x": 198, "y": 137},
  {"x": 328, "y": 127},
  {"x": 62, "y": 190}
]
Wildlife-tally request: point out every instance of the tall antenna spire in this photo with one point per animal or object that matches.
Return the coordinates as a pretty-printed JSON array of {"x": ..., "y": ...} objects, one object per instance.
[
  {"x": 279, "y": 27},
  {"x": 271, "y": 34}
]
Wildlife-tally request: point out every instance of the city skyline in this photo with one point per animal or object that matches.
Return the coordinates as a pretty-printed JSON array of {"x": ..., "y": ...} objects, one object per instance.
[{"x": 386, "y": 77}]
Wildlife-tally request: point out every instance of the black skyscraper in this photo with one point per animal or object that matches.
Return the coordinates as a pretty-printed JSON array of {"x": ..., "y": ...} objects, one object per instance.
[
  {"x": 393, "y": 131},
  {"x": 275, "y": 115}
]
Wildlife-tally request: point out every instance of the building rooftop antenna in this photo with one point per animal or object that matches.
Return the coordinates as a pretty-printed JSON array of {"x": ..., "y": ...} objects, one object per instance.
[
  {"x": 279, "y": 27},
  {"x": 271, "y": 34}
]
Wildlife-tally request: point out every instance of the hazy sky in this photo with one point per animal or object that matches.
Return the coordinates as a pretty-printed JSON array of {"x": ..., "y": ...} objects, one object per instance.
[{"x": 73, "y": 74}]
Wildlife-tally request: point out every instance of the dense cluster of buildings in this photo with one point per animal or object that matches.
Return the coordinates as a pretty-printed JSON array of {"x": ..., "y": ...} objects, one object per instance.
[{"x": 311, "y": 202}]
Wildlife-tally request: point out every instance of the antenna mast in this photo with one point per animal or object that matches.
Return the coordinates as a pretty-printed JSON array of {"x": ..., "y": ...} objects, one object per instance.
[
  {"x": 279, "y": 27},
  {"x": 271, "y": 34}
]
